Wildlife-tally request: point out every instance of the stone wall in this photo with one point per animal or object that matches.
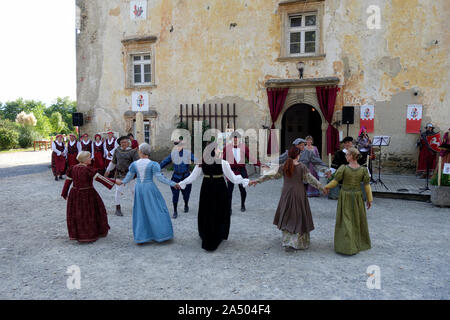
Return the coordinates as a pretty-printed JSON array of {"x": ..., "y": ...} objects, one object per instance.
[{"x": 221, "y": 51}]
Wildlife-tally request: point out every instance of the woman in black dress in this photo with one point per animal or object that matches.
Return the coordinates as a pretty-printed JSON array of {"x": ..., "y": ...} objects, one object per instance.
[{"x": 214, "y": 207}]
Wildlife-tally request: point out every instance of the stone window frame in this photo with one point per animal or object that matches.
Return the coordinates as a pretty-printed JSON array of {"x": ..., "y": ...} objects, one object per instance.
[
  {"x": 134, "y": 47},
  {"x": 291, "y": 8},
  {"x": 142, "y": 63}
]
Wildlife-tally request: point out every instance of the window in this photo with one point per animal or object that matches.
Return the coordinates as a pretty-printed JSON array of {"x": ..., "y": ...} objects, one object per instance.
[
  {"x": 301, "y": 30},
  {"x": 142, "y": 74},
  {"x": 139, "y": 58},
  {"x": 146, "y": 131},
  {"x": 302, "y": 34}
]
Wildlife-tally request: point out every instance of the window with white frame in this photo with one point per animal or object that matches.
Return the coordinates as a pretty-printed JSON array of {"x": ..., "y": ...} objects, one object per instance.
[
  {"x": 142, "y": 69},
  {"x": 146, "y": 130},
  {"x": 302, "y": 34}
]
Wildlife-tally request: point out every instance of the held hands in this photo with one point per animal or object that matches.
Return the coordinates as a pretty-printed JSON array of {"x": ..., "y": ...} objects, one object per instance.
[
  {"x": 177, "y": 186},
  {"x": 107, "y": 173},
  {"x": 253, "y": 183},
  {"x": 119, "y": 182},
  {"x": 326, "y": 191},
  {"x": 328, "y": 174}
]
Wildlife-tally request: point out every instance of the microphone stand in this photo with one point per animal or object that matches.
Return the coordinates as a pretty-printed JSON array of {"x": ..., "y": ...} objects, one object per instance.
[{"x": 427, "y": 173}]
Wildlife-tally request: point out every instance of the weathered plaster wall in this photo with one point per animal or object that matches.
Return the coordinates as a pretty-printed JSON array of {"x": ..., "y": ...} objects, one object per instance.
[{"x": 223, "y": 51}]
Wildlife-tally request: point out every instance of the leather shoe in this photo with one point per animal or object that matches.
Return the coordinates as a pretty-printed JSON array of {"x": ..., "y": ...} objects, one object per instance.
[{"x": 118, "y": 211}]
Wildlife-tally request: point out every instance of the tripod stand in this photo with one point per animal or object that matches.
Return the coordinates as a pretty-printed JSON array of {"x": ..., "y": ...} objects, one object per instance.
[
  {"x": 427, "y": 173},
  {"x": 383, "y": 140}
]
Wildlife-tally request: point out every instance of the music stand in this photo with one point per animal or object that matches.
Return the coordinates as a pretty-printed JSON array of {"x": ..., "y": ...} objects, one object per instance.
[{"x": 380, "y": 141}]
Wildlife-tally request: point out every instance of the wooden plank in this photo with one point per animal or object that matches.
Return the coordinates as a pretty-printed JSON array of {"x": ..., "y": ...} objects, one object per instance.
[
  {"x": 181, "y": 113},
  {"x": 221, "y": 117}
]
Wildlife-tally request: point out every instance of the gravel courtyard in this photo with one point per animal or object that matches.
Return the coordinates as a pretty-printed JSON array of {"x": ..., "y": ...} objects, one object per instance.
[{"x": 410, "y": 245}]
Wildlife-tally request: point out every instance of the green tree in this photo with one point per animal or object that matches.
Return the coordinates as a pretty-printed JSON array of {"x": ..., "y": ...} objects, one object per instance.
[
  {"x": 57, "y": 122},
  {"x": 65, "y": 107}
]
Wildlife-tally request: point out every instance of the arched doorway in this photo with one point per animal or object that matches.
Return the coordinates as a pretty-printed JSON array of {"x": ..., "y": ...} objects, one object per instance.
[{"x": 299, "y": 121}]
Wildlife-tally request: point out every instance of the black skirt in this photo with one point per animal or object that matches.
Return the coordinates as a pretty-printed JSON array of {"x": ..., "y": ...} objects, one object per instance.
[{"x": 214, "y": 210}]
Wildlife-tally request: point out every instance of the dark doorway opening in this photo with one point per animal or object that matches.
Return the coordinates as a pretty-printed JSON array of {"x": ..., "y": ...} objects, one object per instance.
[{"x": 299, "y": 121}]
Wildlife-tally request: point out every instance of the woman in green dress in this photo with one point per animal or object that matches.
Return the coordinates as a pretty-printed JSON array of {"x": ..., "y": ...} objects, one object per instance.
[{"x": 351, "y": 233}]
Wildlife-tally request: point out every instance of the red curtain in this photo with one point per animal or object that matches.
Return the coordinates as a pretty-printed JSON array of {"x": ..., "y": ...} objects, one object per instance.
[
  {"x": 327, "y": 99},
  {"x": 277, "y": 97}
]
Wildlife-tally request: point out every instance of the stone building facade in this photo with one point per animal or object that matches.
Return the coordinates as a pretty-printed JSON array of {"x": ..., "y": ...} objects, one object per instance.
[{"x": 386, "y": 53}]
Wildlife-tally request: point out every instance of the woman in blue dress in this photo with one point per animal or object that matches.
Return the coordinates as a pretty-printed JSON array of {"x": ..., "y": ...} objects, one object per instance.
[{"x": 151, "y": 219}]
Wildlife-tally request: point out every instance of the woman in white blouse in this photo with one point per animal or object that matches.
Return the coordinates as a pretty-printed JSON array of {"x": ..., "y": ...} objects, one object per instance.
[{"x": 214, "y": 207}]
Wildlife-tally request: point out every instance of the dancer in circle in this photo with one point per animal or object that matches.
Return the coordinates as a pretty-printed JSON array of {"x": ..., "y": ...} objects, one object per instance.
[
  {"x": 214, "y": 205},
  {"x": 351, "y": 231},
  {"x": 311, "y": 191},
  {"x": 151, "y": 219},
  {"x": 122, "y": 158},
  {"x": 293, "y": 216},
  {"x": 181, "y": 160},
  {"x": 86, "y": 214}
]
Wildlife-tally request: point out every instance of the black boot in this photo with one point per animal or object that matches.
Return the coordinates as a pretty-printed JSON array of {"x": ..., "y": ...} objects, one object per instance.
[
  {"x": 61, "y": 177},
  {"x": 56, "y": 178},
  {"x": 243, "y": 207},
  {"x": 118, "y": 211},
  {"x": 186, "y": 207},
  {"x": 175, "y": 213}
]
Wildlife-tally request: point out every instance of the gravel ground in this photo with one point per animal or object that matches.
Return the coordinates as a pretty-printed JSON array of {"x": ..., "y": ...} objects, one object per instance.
[{"x": 410, "y": 243}]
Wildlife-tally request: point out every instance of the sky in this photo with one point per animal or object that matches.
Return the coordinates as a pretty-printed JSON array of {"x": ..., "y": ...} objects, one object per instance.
[{"x": 37, "y": 50}]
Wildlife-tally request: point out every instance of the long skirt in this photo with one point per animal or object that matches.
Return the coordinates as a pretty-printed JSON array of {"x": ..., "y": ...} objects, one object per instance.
[
  {"x": 213, "y": 213},
  {"x": 351, "y": 233},
  {"x": 295, "y": 240},
  {"x": 58, "y": 164},
  {"x": 72, "y": 159},
  {"x": 151, "y": 219},
  {"x": 86, "y": 215}
]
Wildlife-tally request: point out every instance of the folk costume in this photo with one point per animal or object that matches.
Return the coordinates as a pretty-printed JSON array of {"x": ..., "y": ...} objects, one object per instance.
[
  {"x": 364, "y": 145},
  {"x": 427, "y": 156},
  {"x": 311, "y": 191},
  {"x": 445, "y": 148},
  {"x": 109, "y": 146},
  {"x": 181, "y": 170},
  {"x": 236, "y": 155},
  {"x": 87, "y": 145},
  {"x": 213, "y": 210},
  {"x": 121, "y": 161},
  {"x": 293, "y": 215},
  {"x": 351, "y": 231},
  {"x": 58, "y": 159},
  {"x": 99, "y": 161},
  {"x": 72, "y": 150},
  {"x": 151, "y": 219},
  {"x": 306, "y": 157},
  {"x": 86, "y": 214}
]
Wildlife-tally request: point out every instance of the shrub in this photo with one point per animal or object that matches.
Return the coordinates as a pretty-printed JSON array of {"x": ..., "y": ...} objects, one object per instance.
[
  {"x": 27, "y": 136},
  {"x": 445, "y": 180},
  {"x": 8, "y": 138}
]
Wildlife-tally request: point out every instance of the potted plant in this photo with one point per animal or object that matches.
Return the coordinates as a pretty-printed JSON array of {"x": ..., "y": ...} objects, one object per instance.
[{"x": 440, "y": 194}]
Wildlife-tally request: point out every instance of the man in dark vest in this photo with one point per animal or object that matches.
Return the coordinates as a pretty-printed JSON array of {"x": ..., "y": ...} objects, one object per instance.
[
  {"x": 122, "y": 159},
  {"x": 339, "y": 157}
]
